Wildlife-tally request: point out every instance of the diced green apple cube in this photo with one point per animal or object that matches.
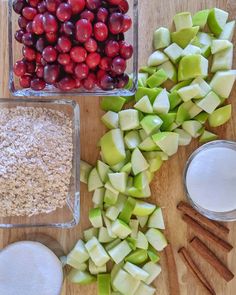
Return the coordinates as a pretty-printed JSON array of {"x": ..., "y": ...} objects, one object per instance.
[
  {"x": 184, "y": 36},
  {"x": 174, "y": 100},
  {"x": 170, "y": 70},
  {"x": 202, "y": 117},
  {"x": 112, "y": 213},
  {"x": 104, "y": 284},
  {"x": 220, "y": 116},
  {"x": 194, "y": 111},
  {"x": 192, "y": 66},
  {"x": 153, "y": 269},
  {"x": 112, "y": 103},
  {"x": 167, "y": 119},
  {"x": 142, "y": 242},
  {"x": 217, "y": 19},
  {"x": 94, "y": 180},
  {"x": 110, "y": 197},
  {"x": 111, "y": 120},
  {"x": 207, "y": 136},
  {"x": 138, "y": 162},
  {"x": 155, "y": 164},
  {"x": 228, "y": 31},
  {"x": 192, "y": 127},
  {"x": 132, "y": 139},
  {"x": 112, "y": 146},
  {"x": 161, "y": 38},
  {"x": 191, "y": 49},
  {"x": 158, "y": 78},
  {"x": 156, "y": 219},
  {"x": 125, "y": 283},
  {"x": 183, "y": 112},
  {"x": 151, "y": 124},
  {"x": 140, "y": 193},
  {"x": 150, "y": 92},
  {"x": 210, "y": 102},
  {"x": 103, "y": 170},
  {"x": 156, "y": 238},
  {"x": 75, "y": 264},
  {"x": 118, "y": 181},
  {"x": 153, "y": 254},
  {"x": 142, "y": 79},
  {"x": 183, "y": 20},
  {"x": 222, "y": 83},
  {"x": 162, "y": 104},
  {"x": 95, "y": 217},
  {"x": 200, "y": 18},
  {"x": 80, "y": 277},
  {"x": 184, "y": 137},
  {"x": 121, "y": 229},
  {"x": 148, "y": 70},
  {"x": 167, "y": 141},
  {"x": 144, "y": 105},
  {"x": 189, "y": 92},
  {"x": 222, "y": 60},
  {"x": 205, "y": 87},
  {"x": 129, "y": 119},
  {"x": 144, "y": 289},
  {"x": 94, "y": 269},
  {"x": 90, "y": 233},
  {"x": 79, "y": 252},
  {"x": 103, "y": 235},
  {"x": 134, "y": 224},
  {"x": 147, "y": 145},
  {"x": 220, "y": 45},
  {"x": 142, "y": 220},
  {"x": 127, "y": 168},
  {"x": 120, "y": 251},
  {"x": 157, "y": 58},
  {"x": 109, "y": 227},
  {"x": 85, "y": 170},
  {"x": 136, "y": 271},
  {"x": 127, "y": 210},
  {"x": 96, "y": 252},
  {"x": 174, "y": 52},
  {"x": 138, "y": 256},
  {"x": 143, "y": 208}
]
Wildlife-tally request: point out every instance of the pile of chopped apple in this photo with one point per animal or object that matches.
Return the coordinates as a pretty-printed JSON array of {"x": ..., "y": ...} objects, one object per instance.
[{"x": 177, "y": 95}]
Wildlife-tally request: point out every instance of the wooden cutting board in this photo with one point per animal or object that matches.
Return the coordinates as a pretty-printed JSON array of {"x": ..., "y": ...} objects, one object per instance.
[{"x": 167, "y": 188}]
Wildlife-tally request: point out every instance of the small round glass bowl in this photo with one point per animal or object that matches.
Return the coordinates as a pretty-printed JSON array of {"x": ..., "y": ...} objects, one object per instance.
[{"x": 219, "y": 216}]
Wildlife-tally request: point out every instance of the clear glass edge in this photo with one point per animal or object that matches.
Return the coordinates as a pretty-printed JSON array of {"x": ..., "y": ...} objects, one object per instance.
[
  {"x": 217, "y": 216},
  {"x": 76, "y": 211}
]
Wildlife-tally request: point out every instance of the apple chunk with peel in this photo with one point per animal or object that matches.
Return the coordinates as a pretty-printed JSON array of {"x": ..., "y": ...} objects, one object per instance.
[
  {"x": 132, "y": 139},
  {"x": 156, "y": 219},
  {"x": 222, "y": 60},
  {"x": 153, "y": 269},
  {"x": 125, "y": 283},
  {"x": 138, "y": 162},
  {"x": 222, "y": 83},
  {"x": 192, "y": 66},
  {"x": 112, "y": 146},
  {"x": 144, "y": 105},
  {"x": 220, "y": 116},
  {"x": 161, "y": 104},
  {"x": 219, "y": 45},
  {"x": 142, "y": 242},
  {"x": 94, "y": 180},
  {"x": 136, "y": 271},
  {"x": 111, "y": 120},
  {"x": 120, "y": 229},
  {"x": 191, "y": 49},
  {"x": 96, "y": 252},
  {"x": 129, "y": 119},
  {"x": 217, "y": 19},
  {"x": 200, "y": 18},
  {"x": 184, "y": 36},
  {"x": 207, "y": 136},
  {"x": 174, "y": 52},
  {"x": 81, "y": 277},
  {"x": 79, "y": 252},
  {"x": 118, "y": 181},
  {"x": 205, "y": 87},
  {"x": 85, "y": 169},
  {"x": 95, "y": 217},
  {"x": 143, "y": 208},
  {"x": 161, "y": 38},
  {"x": 157, "y": 58},
  {"x": 103, "y": 170},
  {"x": 137, "y": 257},
  {"x": 210, "y": 102},
  {"x": 228, "y": 31},
  {"x": 156, "y": 238},
  {"x": 158, "y": 78},
  {"x": 144, "y": 289},
  {"x": 151, "y": 123},
  {"x": 189, "y": 92},
  {"x": 170, "y": 70},
  {"x": 183, "y": 20},
  {"x": 193, "y": 128},
  {"x": 120, "y": 251},
  {"x": 94, "y": 269},
  {"x": 167, "y": 141},
  {"x": 104, "y": 284},
  {"x": 184, "y": 137}
]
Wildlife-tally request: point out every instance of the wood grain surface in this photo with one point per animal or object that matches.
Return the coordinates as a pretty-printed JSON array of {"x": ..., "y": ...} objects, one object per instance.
[{"x": 167, "y": 188}]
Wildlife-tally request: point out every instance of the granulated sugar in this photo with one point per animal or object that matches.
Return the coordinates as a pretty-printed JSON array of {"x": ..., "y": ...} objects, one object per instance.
[{"x": 35, "y": 160}]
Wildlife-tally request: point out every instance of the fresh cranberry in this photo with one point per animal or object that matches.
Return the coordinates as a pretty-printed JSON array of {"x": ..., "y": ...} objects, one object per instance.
[
  {"x": 102, "y": 14},
  {"x": 29, "y": 53},
  {"x": 118, "y": 65},
  {"x": 64, "y": 44},
  {"x": 42, "y": 7},
  {"x": 114, "y": 2},
  {"x": 40, "y": 44},
  {"x": 29, "y": 27},
  {"x": 112, "y": 48},
  {"x": 51, "y": 37},
  {"x": 70, "y": 67},
  {"x": 100, "y": 74},
  {"x": 50, "y": 23},
  {"x": 89, "y": 82},
  {"x": 127, "y": 22},
  {"x": 18, "y": 35},
  {"x": 29, "y": 12},
  {"x": 93, "y": 60},
  {"x": 105, "y": 63},
  {"x": 77, "y": 83},
  {"x": 84, "y": 30},
  {"x": 38, "y": 57},
  {"x": 64, "y": 59},
  {"x": 107, "y": 83},
  {"x": 18, "y": 5},
  {"x": 28, "y": 39},
  {"x": 122, "y": 81},
  {"x": 78, "y": 54},
  {"x": 93, "y": 4},
  {"x": 68, "y": 28},
  {"x": 33, "y": 3},
  {"x": 49, "y": 54},
  {"x": 81, "y": 71},
  {"x": 52, "y": 5},
  {"x": 124, "y": 6},
  {"x": 37, "y": 24},
  {"x": 25, "y": 81},
  {"x": 22, "y": 22},
  {"x": 77, "y": 5},
  {"x": 91, "y": 45},
  {"x": 100, "y": 31},
  {"x": 37, "y": 84},
  {"x": 51, "y": 73},
  {"x": 39, "y": 71},
  {"x": 30, "y": 67},
  {"x": 126, "y": 50},
  {"x": 116, "y": 23},
  {"x": 19, "y": 68},
  {"x": 87, "y": 14},
  {"x": 64, "y": 12},
  {"x": 66, "y": 83}
]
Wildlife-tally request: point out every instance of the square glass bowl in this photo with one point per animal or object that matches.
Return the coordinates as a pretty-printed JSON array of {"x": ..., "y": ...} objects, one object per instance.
[
  {"x": 69, "y": 215},
  {"x": 15, "y": 54}
]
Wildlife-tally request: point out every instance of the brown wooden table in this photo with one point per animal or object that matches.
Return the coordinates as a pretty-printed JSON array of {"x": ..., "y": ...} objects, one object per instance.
[{"x": 167, "y": 188}]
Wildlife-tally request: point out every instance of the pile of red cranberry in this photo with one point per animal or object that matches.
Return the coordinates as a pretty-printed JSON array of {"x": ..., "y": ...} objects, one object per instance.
[{"x": 73, "y": 43}]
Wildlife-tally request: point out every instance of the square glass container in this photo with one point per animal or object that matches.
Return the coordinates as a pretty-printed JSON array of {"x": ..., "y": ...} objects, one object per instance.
[
  {"x": 69, "y": 215},
  {"x": 15, "y": 54}
]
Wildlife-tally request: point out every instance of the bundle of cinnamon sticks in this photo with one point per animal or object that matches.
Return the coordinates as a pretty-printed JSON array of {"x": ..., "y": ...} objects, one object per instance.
[{"x": 207, "y": 230}]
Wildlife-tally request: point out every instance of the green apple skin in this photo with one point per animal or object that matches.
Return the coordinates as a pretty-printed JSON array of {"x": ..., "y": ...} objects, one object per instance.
[
  {"x": 161, "y": 38},
  {"x": 112, "y": 103},
  {"x": 184, "y": 36},
  {"x": 81, "y": 277},
  {"x": 183, "y": 20},
  {"x": 207, "y": 136},
  {"x": 220, "y": 116},
  {"x": 200, "y": 18},
  {"x": 138, "y": 257},
  {"x": 217, "y": 19}
]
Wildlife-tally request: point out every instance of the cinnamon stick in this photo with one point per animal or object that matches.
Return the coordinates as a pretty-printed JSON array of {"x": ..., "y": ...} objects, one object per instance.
[
  {"x": 188, "y": 261},
  {"x": 210, "y": 224},
  {"x": 210, "y": 257},
  {"x": 172, "y": 271},
  {"x": 225, "y": 246}
]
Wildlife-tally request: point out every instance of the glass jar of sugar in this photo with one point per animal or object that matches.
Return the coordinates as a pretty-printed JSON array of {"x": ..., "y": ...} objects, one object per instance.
[{"x": 210, "y": 180}]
